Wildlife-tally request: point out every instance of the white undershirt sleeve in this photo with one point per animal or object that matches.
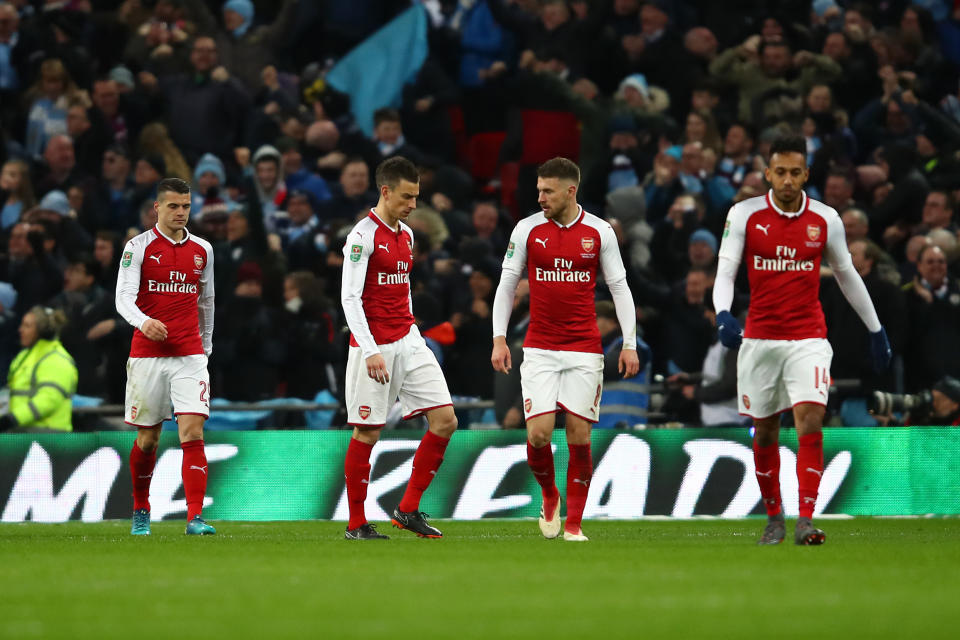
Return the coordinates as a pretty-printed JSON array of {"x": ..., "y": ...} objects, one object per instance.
[
  {"x": 730, "y": 254},
  {"x": 205, "y": 304},
  {"x": 616, "y": 278},
  {"x": 513, "y": 264},
  {"x": 851, "y": 284},
  {"x": 351, "y": 292},
  {"x": 128, "y": 285},
  {"x": 723, "y": 284},
  {"x": 503, "y": 301}
]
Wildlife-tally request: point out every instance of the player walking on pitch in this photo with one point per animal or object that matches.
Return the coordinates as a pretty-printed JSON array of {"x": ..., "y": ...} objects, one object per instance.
[
  {"x": 784, "y": 359},
  {"x": 561, "y": 248},
  {"x": 388, "y": 357},
  {"x": 165, "y": 290}
]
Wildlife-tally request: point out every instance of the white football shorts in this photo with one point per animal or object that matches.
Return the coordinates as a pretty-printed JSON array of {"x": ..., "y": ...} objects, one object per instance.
[
  {"x": 415, "y": 378},
  {"x": 775, "y": 375},
  {"x": 153, "y": 384},
  {"x": 569, "y": 381}
]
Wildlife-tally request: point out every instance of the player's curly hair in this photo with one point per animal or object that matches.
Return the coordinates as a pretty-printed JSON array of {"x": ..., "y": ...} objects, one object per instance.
[{"x": 789, "y": 144}]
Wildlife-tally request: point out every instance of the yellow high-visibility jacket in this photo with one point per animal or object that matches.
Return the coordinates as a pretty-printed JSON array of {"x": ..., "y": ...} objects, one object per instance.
[{"x": 42, "y": 381}]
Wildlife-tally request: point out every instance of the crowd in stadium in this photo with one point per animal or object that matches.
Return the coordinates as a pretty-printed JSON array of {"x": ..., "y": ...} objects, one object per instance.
[{"x": 668, "y": 107}]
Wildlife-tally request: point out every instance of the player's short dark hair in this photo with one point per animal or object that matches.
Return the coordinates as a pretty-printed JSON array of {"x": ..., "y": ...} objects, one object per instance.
[
  {"x": 385, "y": 114},
  {"x": 392, "y": 170},
  {"x": 176, "y": 185},
  {"x": 561, "y": 168},
  {"x": 789, "y": 144}
]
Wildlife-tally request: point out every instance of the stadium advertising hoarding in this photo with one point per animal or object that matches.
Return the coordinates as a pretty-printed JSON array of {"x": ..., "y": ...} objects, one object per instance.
[{"x": 292, "y": 475}]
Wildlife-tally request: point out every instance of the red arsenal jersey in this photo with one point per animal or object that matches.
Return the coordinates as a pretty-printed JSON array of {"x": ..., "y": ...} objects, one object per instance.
[
  {"x": 171, "y": 282},
  {"x": 783, "y": 251},
  {"x": 561, "y": 263},
  {"x": 375, "y": 292}
]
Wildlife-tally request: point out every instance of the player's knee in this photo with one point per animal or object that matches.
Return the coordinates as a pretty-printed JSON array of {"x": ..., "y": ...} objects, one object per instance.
[
  {"x": 539, "y": 438},
  {"x": 148, "y": 439},
  {"x": 445, "y": 425}
]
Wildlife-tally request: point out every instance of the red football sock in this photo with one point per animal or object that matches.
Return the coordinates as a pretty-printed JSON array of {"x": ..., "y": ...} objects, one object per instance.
[
  {"x": 809, "y": 471},
  {"x": 540, "y": 462},
  {"x": 194, "y": 472},
  {"x": 141, "y": 472},
  {"x": 767, "y": 461},
  {"x": 425, "y": 464},
  {"x": 356, "y": 470},
  {"x": 579, "y": 472}
]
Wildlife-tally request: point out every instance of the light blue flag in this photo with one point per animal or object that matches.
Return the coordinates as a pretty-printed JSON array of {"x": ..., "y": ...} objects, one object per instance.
[{"x": 374, "y": 72}]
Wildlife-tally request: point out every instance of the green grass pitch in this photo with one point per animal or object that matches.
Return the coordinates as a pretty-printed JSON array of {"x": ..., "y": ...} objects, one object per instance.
[{"x": 890, "y": 578}]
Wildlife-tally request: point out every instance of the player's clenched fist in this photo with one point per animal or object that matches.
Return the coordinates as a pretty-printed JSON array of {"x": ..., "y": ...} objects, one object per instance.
[
  {"x": 377, "y": 369},
  {"x": 500, "y": 358},
  {"x": 154, "y": 329}
]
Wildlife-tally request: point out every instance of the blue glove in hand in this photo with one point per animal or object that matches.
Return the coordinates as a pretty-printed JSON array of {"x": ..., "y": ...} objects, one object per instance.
[
  {"x": 729, "y": 330},
  {"x": 880, "y": 351}
]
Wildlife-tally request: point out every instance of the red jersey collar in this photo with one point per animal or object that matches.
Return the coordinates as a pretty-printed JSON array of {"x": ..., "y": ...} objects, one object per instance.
[
  {"x": 376, "y": 218},
  {"x": 574, "y": 221},
  {"x": 788, "y": 214},
  {"x": 161, "y": 234}
]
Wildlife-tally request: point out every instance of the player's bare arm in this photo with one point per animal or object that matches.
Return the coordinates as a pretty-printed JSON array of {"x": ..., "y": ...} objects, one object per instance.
[
  {"x": 629, "y": 363},
  {"x": 377, "y": 369},
  {"x": 154, "y": 329},
  {"x": 500, "y": 358}
]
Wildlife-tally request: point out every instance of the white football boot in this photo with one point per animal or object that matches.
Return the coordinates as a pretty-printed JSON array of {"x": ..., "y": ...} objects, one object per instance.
[
  {"x": 575, "y": 537},
  {"x": 550, "y": 527}
]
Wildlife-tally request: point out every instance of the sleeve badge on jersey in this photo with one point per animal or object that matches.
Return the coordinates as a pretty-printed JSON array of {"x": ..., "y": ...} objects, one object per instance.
[
  {"x": 355, "y": 252},
  {"x": 510, "y": 248},
  {"x": 813, "y": 231},
  {"x": 726, "y": 228},
  {"x": 127, "y": 258}
]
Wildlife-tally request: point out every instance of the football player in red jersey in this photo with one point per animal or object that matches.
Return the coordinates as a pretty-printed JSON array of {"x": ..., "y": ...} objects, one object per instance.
[
  {"x": 165, "y": 290},
  {"x": 784, "y": 358},
  {"x": 388, "y": 358},
  {"x": 562, "y": 248}
]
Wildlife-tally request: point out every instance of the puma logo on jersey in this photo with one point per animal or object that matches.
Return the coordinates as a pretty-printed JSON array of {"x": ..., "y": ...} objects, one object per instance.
[
  {"x": 765, "y": 474},
  {"x": 385, "y": 247},
  {"x": 156, "y": 257},
  {"x": 764, "y": 228},
  {"x": 203, "y": 468},
  {"x": 542, "y": 241},
  {"x": 585, "y": 483},
  {"x": 812, "y": 470}
]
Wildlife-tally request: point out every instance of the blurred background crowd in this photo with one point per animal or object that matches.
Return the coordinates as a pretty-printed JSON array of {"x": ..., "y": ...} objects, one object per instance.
[{"x": 278, "y": 111}]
